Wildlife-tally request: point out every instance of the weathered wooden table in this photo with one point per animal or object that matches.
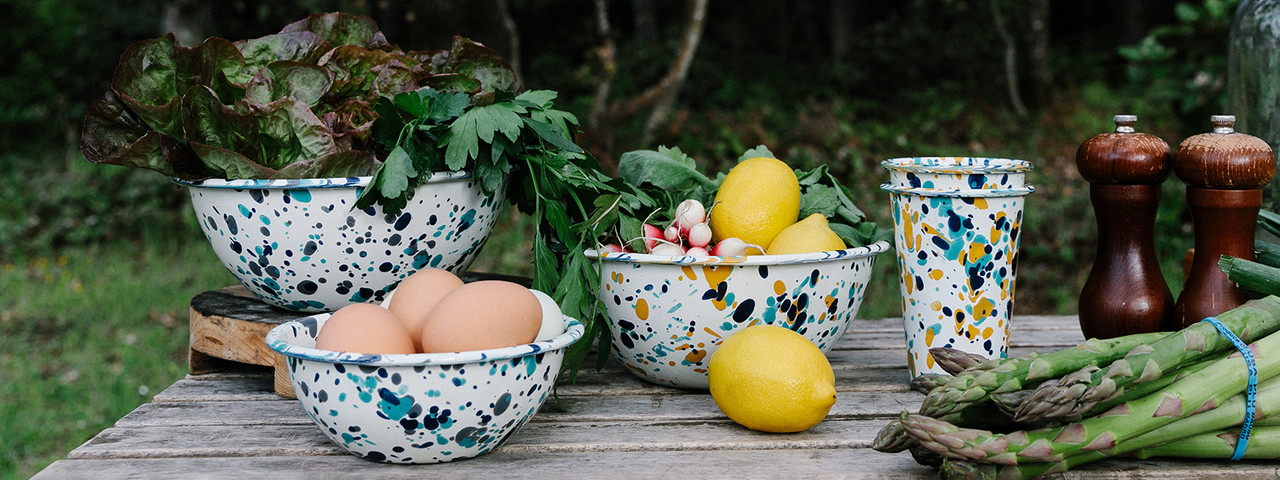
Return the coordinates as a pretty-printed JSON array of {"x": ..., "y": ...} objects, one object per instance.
[{"x": 613, "y": 425}]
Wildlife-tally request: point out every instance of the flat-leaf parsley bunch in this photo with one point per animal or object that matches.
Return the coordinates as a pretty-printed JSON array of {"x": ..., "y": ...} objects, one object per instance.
[{"x": 525, "y": 142}]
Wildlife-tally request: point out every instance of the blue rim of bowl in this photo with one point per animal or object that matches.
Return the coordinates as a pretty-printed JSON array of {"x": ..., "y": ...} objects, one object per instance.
[
  {"x": 958, "y": 192},
  {"x": 848, "y": 253},
  {"x": 275, "y": 341},
  {"x": 994, "y": 165},
  {"x": 292, "y": 183}
]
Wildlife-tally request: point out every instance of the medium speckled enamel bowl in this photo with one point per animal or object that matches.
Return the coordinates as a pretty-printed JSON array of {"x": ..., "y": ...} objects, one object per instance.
[
  {"x": 424, "y": 407},
  {"x": 299, "y": 244},
  {"x": 668, "y": 314}
]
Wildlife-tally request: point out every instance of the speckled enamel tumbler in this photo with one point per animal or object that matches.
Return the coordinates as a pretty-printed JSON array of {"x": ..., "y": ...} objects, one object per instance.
[{"x": 956, "y": 226}]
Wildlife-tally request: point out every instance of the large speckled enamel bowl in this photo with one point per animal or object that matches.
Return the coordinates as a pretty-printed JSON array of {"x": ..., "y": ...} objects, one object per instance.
[
  {"x": 668, "y": 314},
  {"x": 420, "y": 408},
  {"x": 299, "y": 244}
]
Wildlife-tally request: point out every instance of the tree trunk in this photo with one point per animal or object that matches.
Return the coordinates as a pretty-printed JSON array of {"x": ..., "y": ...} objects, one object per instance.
[
  {"x": 1038, "y": 50},
  {"x": 669, "y": 87},
  {"x": 660, "y": 97},
  {"x": 842, "y": 15},
  {"x": 188, "y": 20},
  {"x": 1010, "y": 59},
  {"x": 513, "y": 39}
]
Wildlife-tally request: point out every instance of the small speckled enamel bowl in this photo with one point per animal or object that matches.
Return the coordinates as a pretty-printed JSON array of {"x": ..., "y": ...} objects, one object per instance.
[
  {"x": 668, "y": 314},
  {"x": 420, "y": 408},
  {"x": 299, "y": 244}
]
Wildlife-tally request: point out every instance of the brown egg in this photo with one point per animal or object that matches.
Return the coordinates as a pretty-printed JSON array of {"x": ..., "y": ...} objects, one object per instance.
[
  {"x": 364, "y": 328},
  {"x": 417, "y": 295},
  {"x": 482, "y": 315}
]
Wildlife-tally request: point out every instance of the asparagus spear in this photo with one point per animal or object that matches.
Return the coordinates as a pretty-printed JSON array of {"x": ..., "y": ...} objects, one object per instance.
[
  {"x": 1072, "y": 395},
  {"x": 1269, "y": 221},
  {"x": 1011, "y": 374},
  {"x": 1264, "y": 444},
  {"x": 926, "y": 382},
  {"x": 954, "y": 360},
  {"x": 1198, "y": 392},
  {"x": 1033, "y": 411},
  {"x": 1250, "y": 275},
  {"x": 1266, "y": 253},
  {"x": 1228, "y": 414}
]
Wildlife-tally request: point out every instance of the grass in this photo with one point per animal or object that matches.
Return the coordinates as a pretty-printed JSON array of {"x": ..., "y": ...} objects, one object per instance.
[{"x": 87, "y": 335}]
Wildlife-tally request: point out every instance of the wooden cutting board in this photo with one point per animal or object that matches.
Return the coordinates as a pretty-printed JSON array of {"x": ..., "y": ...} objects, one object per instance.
[{"x": 228, "y": 328}]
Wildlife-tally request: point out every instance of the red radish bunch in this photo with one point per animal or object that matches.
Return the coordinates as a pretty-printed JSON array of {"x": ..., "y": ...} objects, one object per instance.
[{"x": 689, "y": 235}]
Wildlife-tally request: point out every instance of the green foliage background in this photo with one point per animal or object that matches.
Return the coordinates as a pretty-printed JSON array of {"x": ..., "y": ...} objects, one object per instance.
[{"x": 97, "y": 263}]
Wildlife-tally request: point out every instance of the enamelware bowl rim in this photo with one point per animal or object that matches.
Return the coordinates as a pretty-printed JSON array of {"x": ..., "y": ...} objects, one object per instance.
[
  {"x": 749, "y": 260},
  {"x": 994, "y": 165},
  {"x": 958, "y": 192},
  {"x": 275, "y": 340},
  {"x": 294, "y": 183}
]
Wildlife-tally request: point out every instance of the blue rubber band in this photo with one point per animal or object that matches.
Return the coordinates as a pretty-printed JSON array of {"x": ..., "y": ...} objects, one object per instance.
[{"x": 1251, "y": 391}]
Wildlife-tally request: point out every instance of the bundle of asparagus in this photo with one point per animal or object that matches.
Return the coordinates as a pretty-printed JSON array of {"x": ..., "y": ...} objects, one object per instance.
[{"x": 1164, "y": 394}]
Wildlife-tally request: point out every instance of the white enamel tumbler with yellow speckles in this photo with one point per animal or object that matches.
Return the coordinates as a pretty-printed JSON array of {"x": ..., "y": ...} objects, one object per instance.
[{"x": 956, "y": 226}]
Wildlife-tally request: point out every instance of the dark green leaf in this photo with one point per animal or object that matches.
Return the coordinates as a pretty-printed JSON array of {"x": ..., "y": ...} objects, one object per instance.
[
  {"x": 665, "y": 169},
  {"x": 758, "y": 151},
  {"x": 415, "y": 104},
  {"x": 540, "y": 99},
  {"x": 397, "y": 170},
  {"x": 550, "y": 134},
  {"x": 546, "y": 267},
  {"x": 558, "y": 218},
  {"x": 819, "y": 199},
  {"x": 448, "y": 105},
  {"x": 463, "y": 142}
]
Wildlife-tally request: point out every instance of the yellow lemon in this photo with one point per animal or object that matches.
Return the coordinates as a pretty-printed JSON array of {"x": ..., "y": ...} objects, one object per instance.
[
  {"x": 771, "y": 379},
  {"x": 757, "y": 199},
  {"x": 813, "y": 234}
]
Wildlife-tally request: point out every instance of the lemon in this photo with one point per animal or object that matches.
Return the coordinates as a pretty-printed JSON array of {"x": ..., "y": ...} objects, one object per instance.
[
  {"x": 771, "y": 379},
  {"x": 757, "y": 199},
  {"x": 813, "y": 234}
]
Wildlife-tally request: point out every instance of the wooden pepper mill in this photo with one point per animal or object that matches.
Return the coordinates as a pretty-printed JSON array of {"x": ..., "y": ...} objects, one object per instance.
[
  {"x": 1125, "y": 292},
  {"x": 1225, "y": 172}
]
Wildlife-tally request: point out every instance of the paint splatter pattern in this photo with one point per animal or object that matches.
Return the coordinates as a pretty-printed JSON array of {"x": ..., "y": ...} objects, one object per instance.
[
  {"x": 299, "y": 244},
  {"x": 666, "y": 318},
  {"x": 958, "y": 258},
  {"x": 403, "y": 409}
]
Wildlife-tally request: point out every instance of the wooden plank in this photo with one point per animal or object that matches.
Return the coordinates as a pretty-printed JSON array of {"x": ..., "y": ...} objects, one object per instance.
[
  {"x": 251, "y": 384},
  {"x": 534, "y": 437},
  {"x": 505, "y": 463},
  {"x": 859, "y": 464},
  {"x": 675, "y": 406}
]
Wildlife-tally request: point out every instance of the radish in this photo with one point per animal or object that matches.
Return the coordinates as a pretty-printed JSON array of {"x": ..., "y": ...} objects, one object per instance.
[
  {"x": 672, "y": 234},
  {"x": 697, "y": 252},
  {"x": 670, "y": 249},
  {"x": 734, "y": 247},
  {"x": 612, "y": 248},
  {"x": 652, "y": 235},
  {"x": 689, "y": 213},
  {"x": 699, "y": 235}
]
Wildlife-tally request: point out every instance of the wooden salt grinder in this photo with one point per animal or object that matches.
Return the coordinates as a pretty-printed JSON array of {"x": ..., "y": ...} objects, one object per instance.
[
  {"x": 1125, "y": 292},
  {"x": 1224, "y": 172}
]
